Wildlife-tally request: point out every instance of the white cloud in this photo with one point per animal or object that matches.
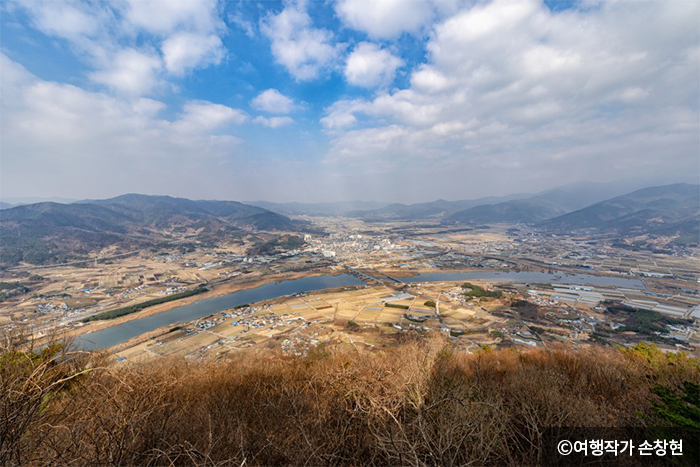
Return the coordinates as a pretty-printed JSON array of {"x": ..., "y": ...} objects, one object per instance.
[
  {"x": 185, "y": 51},
  {"x": 388, "y": 19},
  {"x": 68, "y": 19},
  {"x": 274, "y": 102},
  {"x": 429, "y": 80},
  {"x": 209, "y": 116},
  {"x": 131, "y": 72},
  {"x": 370, "y": 66},
  {"x": 274, "y": 122},
  {"x": 385, "y": 18},
  {"x": 341, "y": 114},
  {"x": 167, "y": 16},
  {"x": 190, "y": 30},
  {"x": 238, "y": 19},
  {"x": 109, "y": 37},
  {"x": 633, "y": 94},
  {"x": 338, "y": 120},
  {"x": 302, "y": 49}
]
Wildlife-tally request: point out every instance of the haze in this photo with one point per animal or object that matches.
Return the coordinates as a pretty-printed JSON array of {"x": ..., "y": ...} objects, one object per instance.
[{"x": 347, "y": 99}]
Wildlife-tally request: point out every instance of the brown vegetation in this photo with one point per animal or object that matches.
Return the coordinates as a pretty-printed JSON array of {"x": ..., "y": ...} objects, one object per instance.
[{"x": 420, "y": 404}]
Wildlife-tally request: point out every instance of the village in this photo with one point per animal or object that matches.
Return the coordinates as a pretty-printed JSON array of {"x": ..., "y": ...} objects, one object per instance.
[{"x": 389, "y": 259}]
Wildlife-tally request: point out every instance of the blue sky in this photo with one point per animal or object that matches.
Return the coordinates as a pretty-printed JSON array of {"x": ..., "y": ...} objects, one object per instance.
[{"x": 390, "y": 100}]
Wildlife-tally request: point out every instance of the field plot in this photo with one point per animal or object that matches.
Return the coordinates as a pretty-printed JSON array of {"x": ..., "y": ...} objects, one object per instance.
[
  {"x": 301, "y": 322},
  {"x": 367, "y": 317},
  {"x": 347, "y": 311}
]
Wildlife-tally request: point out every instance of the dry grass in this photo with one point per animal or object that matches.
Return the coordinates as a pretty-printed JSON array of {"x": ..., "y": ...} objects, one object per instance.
[{"x": 418, "y": 404}]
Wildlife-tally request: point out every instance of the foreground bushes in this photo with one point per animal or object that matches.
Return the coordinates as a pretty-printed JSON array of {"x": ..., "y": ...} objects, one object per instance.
[{"x": 420, "y": 404}]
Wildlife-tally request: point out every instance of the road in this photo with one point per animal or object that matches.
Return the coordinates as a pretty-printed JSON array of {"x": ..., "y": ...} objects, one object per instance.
[{"x": 46, "y": 266}]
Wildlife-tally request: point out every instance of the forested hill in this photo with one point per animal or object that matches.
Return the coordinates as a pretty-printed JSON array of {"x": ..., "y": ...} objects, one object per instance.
[
  {"x": 662, "y": 210},
  {"x": 47, "y": 232}
]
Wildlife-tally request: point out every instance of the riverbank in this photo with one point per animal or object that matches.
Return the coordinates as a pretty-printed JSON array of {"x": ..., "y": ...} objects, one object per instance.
[
  {"x": 117, "y": 334},
  {"x": 143, "y": 339},
  {"x": 112, "y": 334},
  {"x": 216, "y": 291}
]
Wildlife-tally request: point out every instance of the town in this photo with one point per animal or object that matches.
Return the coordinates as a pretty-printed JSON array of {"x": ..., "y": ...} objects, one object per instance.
[{"x": 409, "y": 278}]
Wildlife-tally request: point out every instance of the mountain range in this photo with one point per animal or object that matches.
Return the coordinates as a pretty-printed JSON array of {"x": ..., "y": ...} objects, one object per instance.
[
  {"x": 662, "y": 210},
  {"x": 318, "y": 209},
  {"x": 44, "y": 232},
  {"x": 509, "y": 208},
  {"x": 621, "y": 206},
  {"x": 433, "y": 210},
  {"x": 514, "y": 208}
]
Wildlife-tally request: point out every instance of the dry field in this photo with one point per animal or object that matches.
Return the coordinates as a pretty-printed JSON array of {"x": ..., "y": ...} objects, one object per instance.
[
  {"x": 67, "y": 294},
  {"x": 357, "y": 317}
]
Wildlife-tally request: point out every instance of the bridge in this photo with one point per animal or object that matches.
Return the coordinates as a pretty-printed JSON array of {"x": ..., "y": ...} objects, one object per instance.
[{"x": 378, "y": 277}]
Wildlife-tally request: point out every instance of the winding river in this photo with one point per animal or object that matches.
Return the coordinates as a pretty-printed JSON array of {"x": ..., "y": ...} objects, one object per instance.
[{"x": 120, "y": 333}]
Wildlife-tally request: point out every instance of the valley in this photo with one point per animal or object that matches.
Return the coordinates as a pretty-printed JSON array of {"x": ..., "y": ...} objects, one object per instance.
[{"x": 547, "y": 288}]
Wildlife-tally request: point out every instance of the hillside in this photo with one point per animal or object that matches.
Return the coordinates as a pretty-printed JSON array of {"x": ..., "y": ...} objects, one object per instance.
[
  {"x": 53, "y": 232},
  {"x": 544, "y": 205},
  {"x": 51, "y": 218},
  {"x": 663, "y": 210},
  {"x": 433, "y": 210},
  {"x": 514, "y": 208},
  {"x": 579, "y": 195},
  {"x": 421, "y": 402},
  {"x": 164, "y": 211},
  {"x": 526, "y": 211}
]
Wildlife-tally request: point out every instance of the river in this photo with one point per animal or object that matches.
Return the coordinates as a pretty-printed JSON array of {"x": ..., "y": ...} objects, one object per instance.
[
  {"x": 120, "y": 333},
  {"x": 527, "y": 277}
]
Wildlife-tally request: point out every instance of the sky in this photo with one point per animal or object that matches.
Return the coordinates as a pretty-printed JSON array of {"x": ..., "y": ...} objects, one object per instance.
[{"x": 386, "y": 100}]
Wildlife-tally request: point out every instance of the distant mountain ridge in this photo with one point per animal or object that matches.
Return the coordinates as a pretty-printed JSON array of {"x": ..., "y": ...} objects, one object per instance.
[
  {"x": 526, "y": 211},
  {"x": 432, "y": 210},
  {"x": 318, "y": 209},
  {"x": 513, "y": 208},
  {"x": 544, "y": 205},
  {"x": 161, "y": 211},
  {"x": 662, "y": 210},
  {"x": 43, "y": 232},
  {"x": 128, "y": 220}
]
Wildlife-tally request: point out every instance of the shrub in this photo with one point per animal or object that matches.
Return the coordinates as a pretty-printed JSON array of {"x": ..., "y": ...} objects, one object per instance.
[
  {"x": 421, "y": 403},
  {"x": 476, "y": 291}
]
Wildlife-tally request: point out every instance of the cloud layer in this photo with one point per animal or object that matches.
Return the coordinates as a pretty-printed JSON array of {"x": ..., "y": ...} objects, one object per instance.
[
  {"x": 391, "y": 100},
  {"x": 518, "y": 91},
  {"x": 76, "y": 140}
]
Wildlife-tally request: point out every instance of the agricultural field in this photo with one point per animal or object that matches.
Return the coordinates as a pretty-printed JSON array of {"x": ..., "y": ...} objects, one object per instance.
[{"x": 369, "y": 316}]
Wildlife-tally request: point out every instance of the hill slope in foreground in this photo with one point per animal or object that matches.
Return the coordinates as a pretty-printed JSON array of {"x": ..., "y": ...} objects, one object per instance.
[{"x": 419, "y": 403}]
